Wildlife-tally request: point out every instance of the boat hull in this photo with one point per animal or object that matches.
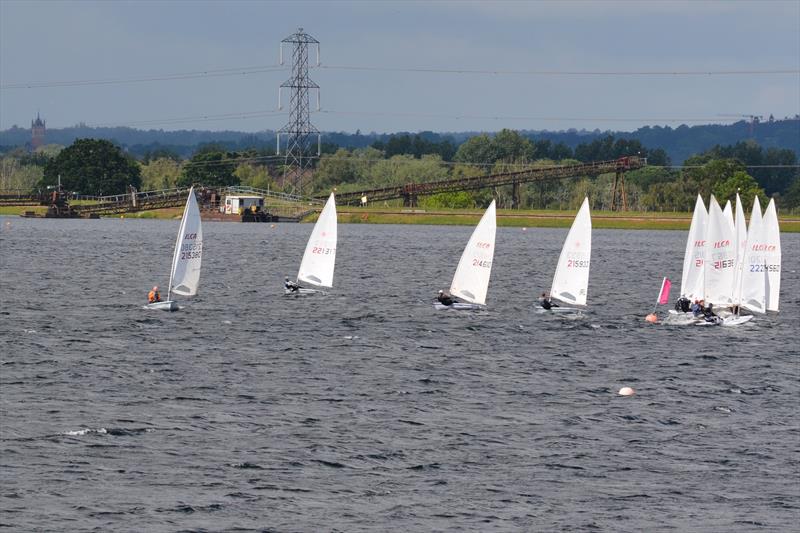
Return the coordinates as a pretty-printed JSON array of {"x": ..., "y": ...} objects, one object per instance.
[
  {"x": 734, "y": 320},
  {"x": 559, "y": 310},
  {"x": 168, "y": 305},
  {"x": 459, "y": 306},
  {"x": 303, "y": 292}
]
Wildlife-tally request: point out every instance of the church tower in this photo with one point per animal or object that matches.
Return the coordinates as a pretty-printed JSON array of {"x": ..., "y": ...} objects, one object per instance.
[{"x": 37, "y": 132}]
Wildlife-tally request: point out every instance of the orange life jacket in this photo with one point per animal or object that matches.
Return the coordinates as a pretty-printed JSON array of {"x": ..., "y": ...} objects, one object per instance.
[{"x": 153, "y": 296}]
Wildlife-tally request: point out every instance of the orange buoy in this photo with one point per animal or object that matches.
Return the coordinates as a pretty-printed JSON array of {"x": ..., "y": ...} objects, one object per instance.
[
  {"x": 626, "y": 391},
  {"x": 652, "y": 318}
]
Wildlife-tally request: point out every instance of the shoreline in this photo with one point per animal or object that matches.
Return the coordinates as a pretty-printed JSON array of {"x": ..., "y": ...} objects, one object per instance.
[{"x": 449, "y": 217}]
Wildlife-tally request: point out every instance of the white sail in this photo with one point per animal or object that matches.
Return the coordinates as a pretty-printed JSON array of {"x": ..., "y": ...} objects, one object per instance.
[
  {"x": 753, "y": 282},
  {"x": 740, "y": 233},
  {"x": 188, "y": 256},
  {"x": 720, "y": 261},
  {"x": 319, "y": 258},
  {"x": 772, "y": 255},
  {"x": 571, "y": 280},
  {"x": 694, "y": 256},
  {"x": 728, "y": 212},
  {"x": 471, "y": 280}
]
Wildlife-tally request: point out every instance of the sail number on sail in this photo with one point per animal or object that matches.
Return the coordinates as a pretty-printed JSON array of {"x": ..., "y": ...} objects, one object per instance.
[
  {"x": 577, "y": 260},
  {"x": 323, "y": 250},
  {"x": 577, "y": 263},
  {"x": 191, "y": 250},
  {"x": 481, "y": 263}
]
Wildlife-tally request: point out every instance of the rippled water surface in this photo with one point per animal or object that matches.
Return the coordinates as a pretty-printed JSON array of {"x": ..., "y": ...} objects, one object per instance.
[{"x": 366, "y": 409}]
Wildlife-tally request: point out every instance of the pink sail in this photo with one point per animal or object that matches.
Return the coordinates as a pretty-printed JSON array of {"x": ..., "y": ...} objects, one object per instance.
[{"x": 663, "y": 296}]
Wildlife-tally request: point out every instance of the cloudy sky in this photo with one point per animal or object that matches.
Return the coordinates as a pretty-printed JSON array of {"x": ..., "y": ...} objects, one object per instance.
[{"x": 400, "y": 66}]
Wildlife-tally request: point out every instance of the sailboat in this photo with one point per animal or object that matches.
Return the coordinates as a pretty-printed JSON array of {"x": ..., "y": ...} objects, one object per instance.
[
  {"x": 759, "y": 283},
  {"x": 772, "y": 256},
  {"x": 752, "y": 283},
  {"x": 471, "y": 280},
  {"x": 720, "y": 260},
  {"x": 693, "y": 258},
  {"x": 571, "y": 279},
  {"x": 185, "y": 275},
  {"x": 319, "y": 259},
  {"x": 692, "y": 277}
]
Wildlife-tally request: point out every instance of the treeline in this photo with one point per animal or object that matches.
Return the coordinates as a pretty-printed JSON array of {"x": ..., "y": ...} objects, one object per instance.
[
  {"x": 99, "y": 167},
  {"x": 678, "y": 143}
]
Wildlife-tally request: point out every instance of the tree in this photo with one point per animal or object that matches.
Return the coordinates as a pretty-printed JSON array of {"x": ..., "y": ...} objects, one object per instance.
[
  {"x": 256, "y": 176},
  {"x": 705, "y": 178},
  {"x": 745, "y": 185},
  {"x": 16, "y": 176},
  {"x": 161, "y": 173},
  {"x": 478, "y": 149},
  {"x": 93, "y": 166},
  {"x": 210, "y": 167}
]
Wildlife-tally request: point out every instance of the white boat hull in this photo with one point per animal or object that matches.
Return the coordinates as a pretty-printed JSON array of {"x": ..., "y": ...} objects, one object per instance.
[
  {"x": 464, "y": 306},
  {"x": 678, "y": 318},
  {"x": 168, "y": 305},
  {"x": 303, "y": 291},
  {"x": 734, "y": 320},
  {"x": 724, "y": 319},
  {"x": 559, "y": 310}
]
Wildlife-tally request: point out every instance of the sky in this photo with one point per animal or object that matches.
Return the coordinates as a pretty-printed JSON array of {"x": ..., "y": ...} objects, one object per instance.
[{"x": 389, "y": 66}]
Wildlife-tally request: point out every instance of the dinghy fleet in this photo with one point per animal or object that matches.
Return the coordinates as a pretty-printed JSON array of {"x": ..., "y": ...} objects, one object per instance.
[{"x": 729, "y": 268}]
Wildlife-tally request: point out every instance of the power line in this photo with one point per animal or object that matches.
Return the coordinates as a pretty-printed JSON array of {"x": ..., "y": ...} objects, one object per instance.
[
  {"x": 197, "y": 118},
  {"x": 521, "y": 117},
  {"x": 257, "y": 69},
  {"x": 210, "y": 73},
  {"x": 745, "y": 72}
]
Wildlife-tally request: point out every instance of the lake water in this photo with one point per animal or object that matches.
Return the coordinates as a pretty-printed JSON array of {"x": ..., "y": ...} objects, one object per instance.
[{"x": 366, "y": 410}]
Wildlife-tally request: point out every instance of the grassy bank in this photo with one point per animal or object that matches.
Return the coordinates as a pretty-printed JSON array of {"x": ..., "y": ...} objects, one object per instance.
[{"x": 530, "y": 218}]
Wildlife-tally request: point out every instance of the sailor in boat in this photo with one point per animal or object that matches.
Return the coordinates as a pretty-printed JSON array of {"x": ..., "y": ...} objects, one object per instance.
[
  {"x": 709, "y": 315},
  {"x": 290, "y": 285},
  {"x": 444, "y": 298},
  {"x": 683, "y": 305},
  {"x": 153, "y": 296},
  {"x": 546, "y": 302},
  {"x": 697, "y": 308}
]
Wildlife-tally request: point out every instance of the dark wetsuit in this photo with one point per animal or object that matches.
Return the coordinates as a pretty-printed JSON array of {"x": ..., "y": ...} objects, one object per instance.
[
  {"x": 291, "y": 286},
  {"x": 547, "y": 303},
  {"x": 683, "y": 305},
  {"x": 708, "y": 314},
  {"x": 445, "y": 299}
]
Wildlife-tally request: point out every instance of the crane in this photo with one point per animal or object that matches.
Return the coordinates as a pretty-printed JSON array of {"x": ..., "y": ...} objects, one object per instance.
[{"x": 754, "y": 119}]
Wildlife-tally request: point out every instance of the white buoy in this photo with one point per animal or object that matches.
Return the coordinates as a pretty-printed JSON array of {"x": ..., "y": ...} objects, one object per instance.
[{"x": 626, "y": 391}]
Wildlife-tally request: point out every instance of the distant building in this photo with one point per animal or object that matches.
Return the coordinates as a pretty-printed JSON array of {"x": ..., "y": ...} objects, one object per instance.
[
  {"x": 37, "y": 132},
  {"x": 236, "y": 205}
]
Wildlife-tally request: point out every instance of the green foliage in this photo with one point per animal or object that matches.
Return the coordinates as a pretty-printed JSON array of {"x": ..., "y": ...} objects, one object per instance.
[
  {"x": 161, "y": 173},
  {"x": 417, "y": 146},
  {"x": 92, "y": 166},
  {"x": 745, "y": 184},
  {"x": 507, "y": 146},
  {"x": 449, "y": 200},
  {"x": 211, "y": 168},
  {"x": 668, "y": 196},
  {"x": 16, "y": 176},
  {"x": 791, "y": 199},
  {"x": 256, "y": 176},
  {"x": 772, "y": 169},
  {"x": 608, "y": 148}
]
